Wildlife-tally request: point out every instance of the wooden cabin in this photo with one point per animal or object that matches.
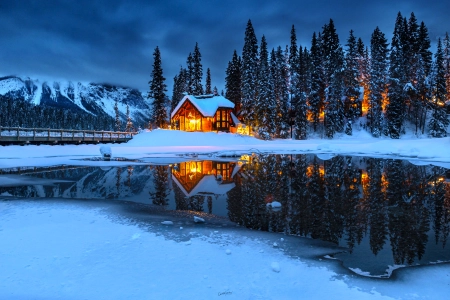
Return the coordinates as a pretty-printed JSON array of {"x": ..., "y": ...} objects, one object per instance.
[{"x": 204, "y": 113}]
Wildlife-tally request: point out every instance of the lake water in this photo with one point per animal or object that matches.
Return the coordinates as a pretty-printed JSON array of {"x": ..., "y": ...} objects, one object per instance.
[{"x": 386, "y": 213}]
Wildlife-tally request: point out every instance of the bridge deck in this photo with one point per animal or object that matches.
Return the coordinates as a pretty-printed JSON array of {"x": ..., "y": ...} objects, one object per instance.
[{"x": 37, "y": 136}]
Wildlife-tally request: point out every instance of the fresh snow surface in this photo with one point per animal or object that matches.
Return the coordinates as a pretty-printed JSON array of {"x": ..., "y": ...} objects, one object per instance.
[
  {"x": 197, "y": 145},
  {"x": 207, "y": 106},
  {"x": 56, "y": 250}
]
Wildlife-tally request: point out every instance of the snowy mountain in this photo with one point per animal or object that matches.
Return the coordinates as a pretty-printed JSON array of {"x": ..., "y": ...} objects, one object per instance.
[{"x": 94, "y": 99}]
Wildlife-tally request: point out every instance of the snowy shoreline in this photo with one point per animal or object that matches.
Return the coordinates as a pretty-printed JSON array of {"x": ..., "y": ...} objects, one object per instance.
[
  {"x": 173, "y": 144},
  {"x": 49, "y": 254}
]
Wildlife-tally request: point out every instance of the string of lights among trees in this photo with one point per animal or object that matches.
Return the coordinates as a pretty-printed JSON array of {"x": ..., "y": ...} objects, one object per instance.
[{"x": 326, "y": 88}]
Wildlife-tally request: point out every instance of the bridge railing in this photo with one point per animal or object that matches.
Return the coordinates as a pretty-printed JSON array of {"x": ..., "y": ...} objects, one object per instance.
[{"x": 17, "y": 134}]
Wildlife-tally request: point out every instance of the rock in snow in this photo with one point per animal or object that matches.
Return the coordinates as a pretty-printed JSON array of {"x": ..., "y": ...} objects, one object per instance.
[
  {"x": 276, "y": 204},
  {"x": 275, "y": 267},
  {"x": 167, "y": 222},
  {"x": 198, "y": 220}
]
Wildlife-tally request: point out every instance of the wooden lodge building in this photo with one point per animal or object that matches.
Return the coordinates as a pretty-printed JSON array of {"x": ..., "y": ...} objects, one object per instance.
[{"x": 204, "y": 113}]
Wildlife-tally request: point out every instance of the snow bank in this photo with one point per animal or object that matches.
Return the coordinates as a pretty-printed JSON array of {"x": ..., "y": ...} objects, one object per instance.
[
  {"x": 172, "y": 143},
  {"x": 68, "y": 251}
]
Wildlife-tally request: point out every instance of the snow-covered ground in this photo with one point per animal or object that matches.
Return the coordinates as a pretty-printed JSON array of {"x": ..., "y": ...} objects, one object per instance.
[
  {"x": 74, "y": 250},
  {"x": 56, "y": 250},
  {"x": 170, "y": 143}
]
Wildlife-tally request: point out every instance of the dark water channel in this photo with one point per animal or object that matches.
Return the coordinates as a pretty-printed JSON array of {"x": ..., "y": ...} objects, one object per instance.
[{"x": 385, "y": 212}]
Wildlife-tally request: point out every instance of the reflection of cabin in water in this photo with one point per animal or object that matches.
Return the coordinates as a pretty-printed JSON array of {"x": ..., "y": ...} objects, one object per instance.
[
  {"x": 204, "y": 177},
  {"x": 204, "y": 113}
]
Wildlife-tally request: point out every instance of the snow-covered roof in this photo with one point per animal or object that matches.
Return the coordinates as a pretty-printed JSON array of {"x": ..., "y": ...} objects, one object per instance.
[
  {"x": 207, "y": 185},
  {"x": 207, "y": 105}
]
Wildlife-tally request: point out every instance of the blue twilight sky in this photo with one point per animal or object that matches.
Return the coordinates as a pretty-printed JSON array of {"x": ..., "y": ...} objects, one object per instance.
[{"x": 112, "y": 41}]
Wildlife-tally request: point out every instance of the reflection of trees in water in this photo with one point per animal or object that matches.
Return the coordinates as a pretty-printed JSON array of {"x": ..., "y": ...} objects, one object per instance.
[
  {"x": 161, "y": 187},
  {"x": 338, "y": 200}
]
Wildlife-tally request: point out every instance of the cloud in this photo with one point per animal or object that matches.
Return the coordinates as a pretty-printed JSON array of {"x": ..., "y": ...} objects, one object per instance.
[{"x": 113, "y": 41}]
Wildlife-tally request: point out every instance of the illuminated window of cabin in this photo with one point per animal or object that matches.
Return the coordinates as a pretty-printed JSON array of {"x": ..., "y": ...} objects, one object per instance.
[{"x": 222, "y": 119}]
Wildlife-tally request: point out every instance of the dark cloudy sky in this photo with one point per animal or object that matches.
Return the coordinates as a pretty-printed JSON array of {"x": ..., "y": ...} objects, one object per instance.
[{"x": 113, "y": 40}]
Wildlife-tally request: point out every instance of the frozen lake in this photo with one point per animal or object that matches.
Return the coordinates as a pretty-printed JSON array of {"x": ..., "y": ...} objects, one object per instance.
[{"x": 375, "y": 215}]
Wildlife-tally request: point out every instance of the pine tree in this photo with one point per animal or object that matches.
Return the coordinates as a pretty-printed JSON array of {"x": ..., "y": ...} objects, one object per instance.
[
  {"x": 439, "y": 121},
  {"x": 197, "y": 75},
  {"x": 266, "y": 105},
  {"x": 179, "y": 88},
  {"x": 397, "y": 78},
  {"x": 446, "y": 62},
  {"x": 157, "y": 92},
  {"x": 424, "y": 48},
  {"x": 351, "y": 73},
  {"x": 233, "y": 81},
  {"x": 208, "y": 90},
  {"x": 378, "y": 78},
  {"x": 129, "y": 127},
  {"x": 363, "y": 76},
  {"x": 190, "y": 75},
  {"x": 333, "y": 79},
  {"x": 249, "y": 73},
  {"x": 279, "y": 71},
  {"x": 118, "y": 122},
  {"x": 317, "y": 92},
  {"x": 301, "y": 88}
]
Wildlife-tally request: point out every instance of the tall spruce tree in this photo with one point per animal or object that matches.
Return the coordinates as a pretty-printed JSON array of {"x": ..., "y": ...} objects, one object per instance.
[
  {"x": 157, "y": 92},
  {"x": 351, "y": 73},
  {"x": 398, "y": 69},
  {"x": 439, "y": 121},
  {"x": 266, "y": 104},
  {"x": 197, "y": 73},
  {"x": 249, "y": 75},
  {"x": 301, "y": 86},
  {"x": 179, "y": 88},
  {"x": 208, "y": 89},
  {"x": 378, "y": 79},
  {"x": 190, "y": 74},
  {"x": 317, "y": 92},
  {"x": 233, "y": 81},
  {"x": 333, "y": 61},
  {"x": 118, "y": 122},
  {"x": 280, "y": 75},
  {"x": 446, "y": 54}
]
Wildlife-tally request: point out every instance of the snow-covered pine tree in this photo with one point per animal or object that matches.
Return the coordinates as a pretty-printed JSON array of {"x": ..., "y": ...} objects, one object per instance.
[
  {"x": 266, "y": 104},
  {"x": 301, "y": 87},
  {"x": 317, "y": 92},
  {"x": 351, "y": 73},
  {"x": 280, "y": 75},
  {"x": 424, "y": 48},
  {"x": 118, "y": 122},
  {"x": 233, "y": 81},
  {"x": 439, "y": 121},
  {"x": 197, "y": 75},
  {"x": 397, "y": 78},
  {"x": 378, "y": 79},
  {"x": 179, "y": 88},
  {"x": 446, "y": 54},
  {"x": 190, "y": 74},
  {"x": 333, "y": 61},
  {"x": 129, "y": 126},
  {"x": 208, "y": 89},
  {"x": 249, "y": 73},
  {"x": 364, "y": 69},
  {"x": 157, "y": 92}
]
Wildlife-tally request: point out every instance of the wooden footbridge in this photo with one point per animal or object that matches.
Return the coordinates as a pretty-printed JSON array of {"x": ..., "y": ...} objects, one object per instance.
[{"x": 38, "y": 136}]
